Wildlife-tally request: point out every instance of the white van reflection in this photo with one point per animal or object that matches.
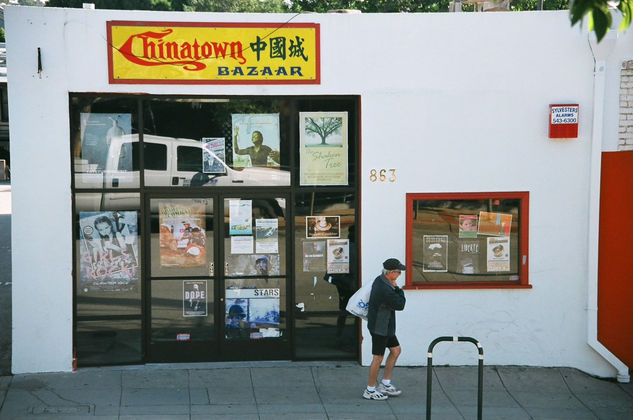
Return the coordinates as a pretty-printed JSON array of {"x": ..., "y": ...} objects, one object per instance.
[{"x": 168, "y": 161}]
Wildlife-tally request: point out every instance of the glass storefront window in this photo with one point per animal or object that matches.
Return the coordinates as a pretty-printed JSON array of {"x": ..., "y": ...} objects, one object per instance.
[
  {"x": 326, "y": 267},
  {"x": 219, "y": 142},
  {"x": 255, "y": 309},
  {"x": 182, "y": 237},
  {"x": 107, "y": 342},
  {"x": 255, "y": 236},
  {"x": 108, "y": 254},
  {"x": 467, "y": 240},
  {"x": 214, "y": 288},
  {"x": 182, "y": 310},
  {"x": 103, "y": 130}
]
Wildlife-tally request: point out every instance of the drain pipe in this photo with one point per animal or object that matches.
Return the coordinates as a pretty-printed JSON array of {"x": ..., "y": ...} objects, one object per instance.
[{"x": 601, "y": 52}]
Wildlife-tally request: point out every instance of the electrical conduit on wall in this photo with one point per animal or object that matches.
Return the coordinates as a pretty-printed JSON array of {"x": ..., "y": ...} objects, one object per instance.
[{"x": 601, "y": 52}]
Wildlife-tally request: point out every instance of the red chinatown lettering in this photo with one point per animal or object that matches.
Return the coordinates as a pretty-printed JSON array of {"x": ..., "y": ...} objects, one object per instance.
[{"x": 157, "y": 52}]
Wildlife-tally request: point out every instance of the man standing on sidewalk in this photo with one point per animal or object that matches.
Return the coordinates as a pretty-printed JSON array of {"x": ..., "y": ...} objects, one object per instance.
[{"x": 386, "y": 298}]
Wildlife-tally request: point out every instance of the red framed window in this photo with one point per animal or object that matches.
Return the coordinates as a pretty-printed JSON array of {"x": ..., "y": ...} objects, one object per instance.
[{"x": 467, "y": 240}]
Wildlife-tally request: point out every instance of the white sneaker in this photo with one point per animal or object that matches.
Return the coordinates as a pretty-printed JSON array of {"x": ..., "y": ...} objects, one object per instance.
[
  {"x": 374, "y": 395},
  {"x": 390, "y": 390}
]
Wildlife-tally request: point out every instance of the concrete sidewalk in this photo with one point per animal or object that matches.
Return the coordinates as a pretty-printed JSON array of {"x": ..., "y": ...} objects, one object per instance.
[{"x": 310, "y": 390}]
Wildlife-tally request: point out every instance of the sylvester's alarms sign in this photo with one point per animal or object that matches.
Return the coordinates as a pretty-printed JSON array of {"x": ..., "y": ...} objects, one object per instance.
[
  {"x": 208, "y": 53},
  {"x": 563, "y": 121}
]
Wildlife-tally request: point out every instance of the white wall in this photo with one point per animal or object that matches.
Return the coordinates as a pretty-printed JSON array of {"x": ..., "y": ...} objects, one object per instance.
[{"x": 453, "y": 102}]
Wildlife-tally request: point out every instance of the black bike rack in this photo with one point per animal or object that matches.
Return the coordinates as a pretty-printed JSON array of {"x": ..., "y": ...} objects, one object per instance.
[{"x": 429, "y": 373}]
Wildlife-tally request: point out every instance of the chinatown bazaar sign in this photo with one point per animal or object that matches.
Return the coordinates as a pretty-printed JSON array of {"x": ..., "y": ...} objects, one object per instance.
[{"x": 207, "y": 53}]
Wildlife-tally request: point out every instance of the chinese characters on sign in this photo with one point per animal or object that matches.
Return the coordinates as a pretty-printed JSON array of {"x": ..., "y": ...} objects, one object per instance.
[{"x": 195, "y": 52}]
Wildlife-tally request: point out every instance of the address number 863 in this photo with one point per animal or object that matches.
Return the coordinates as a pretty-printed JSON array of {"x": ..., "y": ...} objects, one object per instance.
[{"x": 382, "y": 175}]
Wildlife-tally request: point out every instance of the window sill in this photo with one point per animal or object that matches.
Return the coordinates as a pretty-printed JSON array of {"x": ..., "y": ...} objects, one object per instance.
[{"x": 466, "y": 286}]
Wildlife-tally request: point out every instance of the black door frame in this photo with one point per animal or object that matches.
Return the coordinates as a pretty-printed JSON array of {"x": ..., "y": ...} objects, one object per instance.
[{"x": 219, "y": 349}]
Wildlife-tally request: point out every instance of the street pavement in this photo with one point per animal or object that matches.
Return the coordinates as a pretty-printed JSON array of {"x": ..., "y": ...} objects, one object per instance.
[
  {"x": 308, "y": 390},
  {"x": 290, "y": 390}
]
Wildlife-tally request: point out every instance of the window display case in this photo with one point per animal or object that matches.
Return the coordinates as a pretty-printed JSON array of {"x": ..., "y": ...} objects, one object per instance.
[{"x": 458, "y": 240}]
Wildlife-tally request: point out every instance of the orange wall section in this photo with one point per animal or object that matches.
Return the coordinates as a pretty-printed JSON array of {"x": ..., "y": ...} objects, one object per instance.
[{"x": 615, "y": 258}]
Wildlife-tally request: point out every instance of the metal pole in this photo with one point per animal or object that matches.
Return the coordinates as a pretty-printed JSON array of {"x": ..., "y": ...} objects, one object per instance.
[{"x": 480, "y": 373}]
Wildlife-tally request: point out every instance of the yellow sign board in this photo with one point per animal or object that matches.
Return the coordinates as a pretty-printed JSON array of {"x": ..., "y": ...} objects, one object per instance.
[{"x": 213, "y": 53}]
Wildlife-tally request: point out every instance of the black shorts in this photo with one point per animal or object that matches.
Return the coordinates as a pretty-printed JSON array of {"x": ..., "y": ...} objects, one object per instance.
[{"x": 380, "y": 342}]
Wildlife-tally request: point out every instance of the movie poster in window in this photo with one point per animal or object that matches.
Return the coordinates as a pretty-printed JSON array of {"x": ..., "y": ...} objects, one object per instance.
[
  {"x": 255, "y": 140},
  {"x": 213, "y": 155},
  {"x": 252, "y": 265},
  {"x": 323, "y": 226},
  {"x": 314, "y": 256},
  {"x": 194, "y": 298},
  {"x": 99, "y": 132},
  {"x": 323, "y": 148},
  {"x": 252, "y": 313},
  {"x": 241, "y": 217},
  {"x": 468, "y": 256},
  {"x": 435, "y": 253},
  {"x": 266, "y": 236},
  {"x": 337, "y": 256},
  {"x": 182, "y": 233},
  {"x": 108, "y": 251},
  {"x": 468, "y": 225},
  {"x": 495, "y": 224},
  {"x": 498, "y": 253}
]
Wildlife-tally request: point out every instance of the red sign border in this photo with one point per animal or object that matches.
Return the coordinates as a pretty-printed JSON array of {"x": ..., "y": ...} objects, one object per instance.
[
  {"x": 563, "y": 131},
  {"x": 110, "y": 47}
]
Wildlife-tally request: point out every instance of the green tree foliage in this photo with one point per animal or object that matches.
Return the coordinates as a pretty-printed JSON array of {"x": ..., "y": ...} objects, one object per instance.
[
  {"x": 371, "y": 6},
  {"x": 2, "y": 35},
  {"x": 522, "y": 5},
  {"x": 599, "y": 14},
  {"x": 120, "y": 4},
  {"x": 236, "y": 6}
]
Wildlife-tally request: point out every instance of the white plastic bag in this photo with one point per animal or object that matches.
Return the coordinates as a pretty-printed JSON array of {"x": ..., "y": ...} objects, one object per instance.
[{"x": 358, "y": 304}]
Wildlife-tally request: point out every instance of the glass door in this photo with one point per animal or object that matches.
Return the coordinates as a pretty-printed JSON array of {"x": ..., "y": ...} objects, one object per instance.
[
  {"x": 182, "y": 283},
  {"x": 200, "y": 310},
  {"x": 254, "y": 285}
]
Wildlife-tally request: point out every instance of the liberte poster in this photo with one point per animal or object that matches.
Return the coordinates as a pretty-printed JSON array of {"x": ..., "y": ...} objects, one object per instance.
[
  {"x": 182, "y": 233},
  {"x": 323, "y": 148},
  {"x": 108, "y": 251}
]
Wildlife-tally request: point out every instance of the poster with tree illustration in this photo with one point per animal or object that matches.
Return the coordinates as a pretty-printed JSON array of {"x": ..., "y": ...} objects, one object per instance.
[{"x": 323, "y": 148}]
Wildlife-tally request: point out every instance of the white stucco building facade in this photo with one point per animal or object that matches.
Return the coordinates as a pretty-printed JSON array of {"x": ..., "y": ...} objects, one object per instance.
[{"x": 455, "y": 103}]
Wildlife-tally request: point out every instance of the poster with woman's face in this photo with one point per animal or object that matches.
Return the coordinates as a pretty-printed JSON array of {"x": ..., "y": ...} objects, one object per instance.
[
  {"x": 108, "y": 251},
  {"x": 468, "y": 226}
]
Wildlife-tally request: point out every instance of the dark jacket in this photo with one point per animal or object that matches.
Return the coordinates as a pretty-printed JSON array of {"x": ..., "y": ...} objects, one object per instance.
[{"x": 383, "y": 302}]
